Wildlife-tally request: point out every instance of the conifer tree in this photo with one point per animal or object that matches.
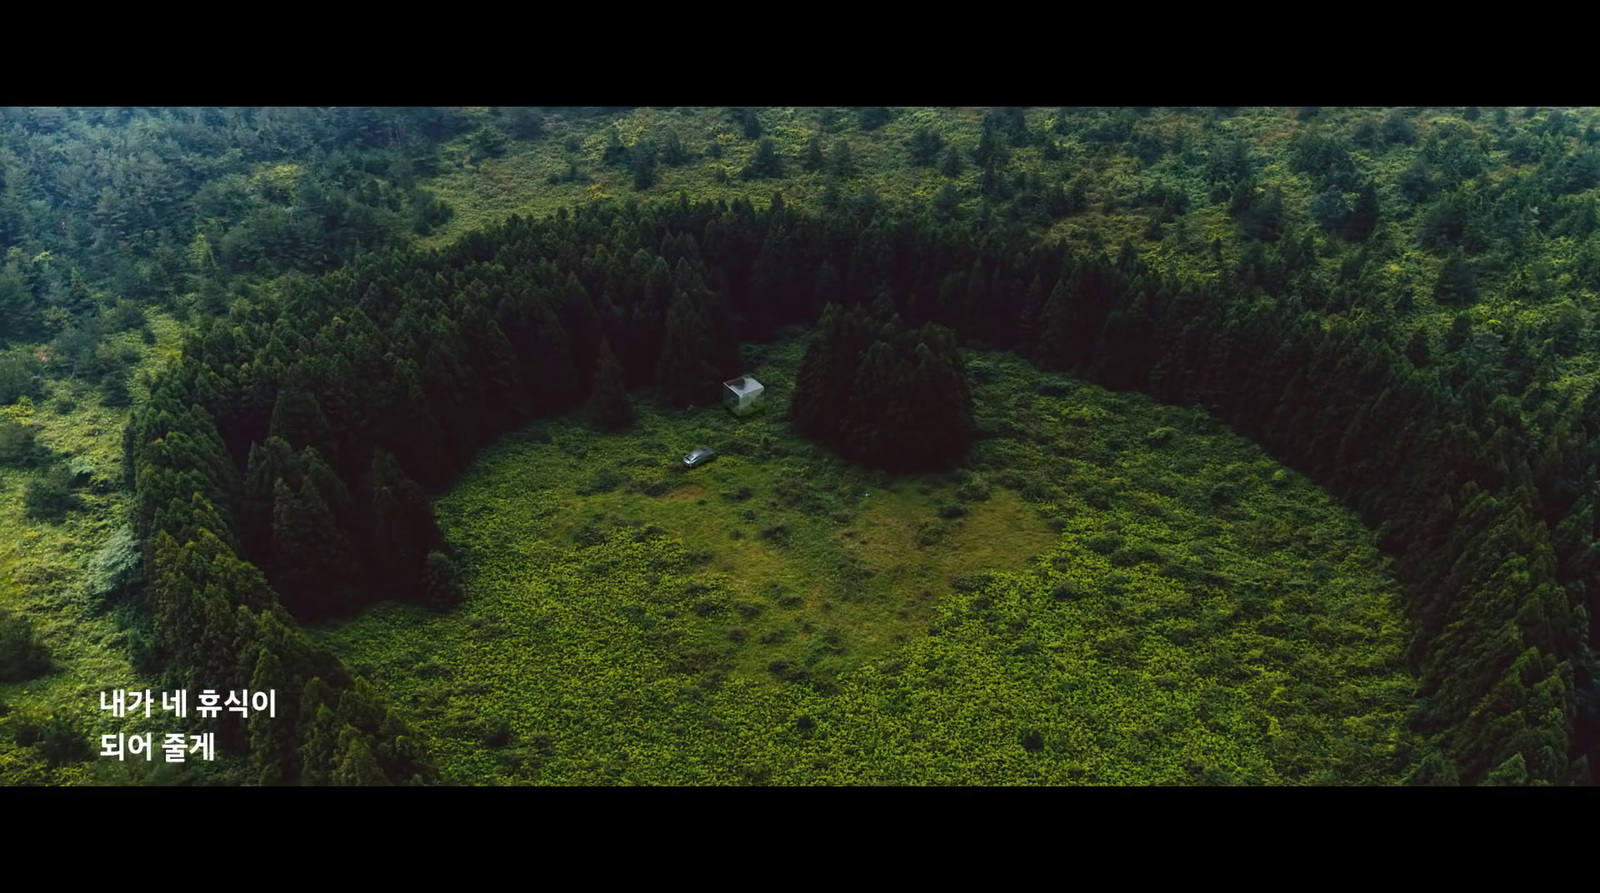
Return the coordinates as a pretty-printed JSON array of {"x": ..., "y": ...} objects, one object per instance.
[
  {"x": 686, "y": 373},
  {"x": 811, "y": 160},
  {"x": 840, "y": 163},
  {"x": 316, "y": 564},
  {"x": 609, "y": 406},
  {"x": 924, "y": 146},
  {"x": 1363, "y": 217},
  {"x": 405, "y": 529},
  {"x": 765, "y": 165},
  {"x": 1456, "y": 283},
  {"x": 297, "y": 417}
]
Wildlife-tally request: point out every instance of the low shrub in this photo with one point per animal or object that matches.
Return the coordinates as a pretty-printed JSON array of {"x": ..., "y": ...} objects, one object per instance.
[
  {"x": 50, "y": 495},
  {"x": 22, "y": 655}
]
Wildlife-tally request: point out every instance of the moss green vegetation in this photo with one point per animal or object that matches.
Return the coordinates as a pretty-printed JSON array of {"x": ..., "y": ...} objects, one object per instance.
[
  {"x": 1110, "y": 592},
  {"x": 72, "y": 578}
]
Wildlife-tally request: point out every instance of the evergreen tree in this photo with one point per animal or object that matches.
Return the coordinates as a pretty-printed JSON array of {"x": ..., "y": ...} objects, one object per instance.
[
  {"x": 644, "y": 165},
  {"x": 354, "y": 763},
  {"x": 1456, "y": 283},
  {"x": 686, "y": 374},
  {"x": 924, "y": 146},
  {"x": 298, "y": 419},
  {"x": 1363, "y": 217},
  {"x": 271, "y": 738},
  {"x": 673, "y": 153},
  {"x": 840, "y": 163},
  {"x": 615, "y": 153},
  {"x": 405, "y": 530},
  {"x": 811, "y": 160},
  {"x": 951, "y": 166},
  {"x": 317, "y": 566},
  {"x": 609, "y": 406},
  {"x": 765, "y": 165}
]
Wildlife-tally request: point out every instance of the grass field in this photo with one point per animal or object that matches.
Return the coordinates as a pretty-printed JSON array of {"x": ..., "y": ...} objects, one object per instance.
[{"x": 1111, "y": 592}]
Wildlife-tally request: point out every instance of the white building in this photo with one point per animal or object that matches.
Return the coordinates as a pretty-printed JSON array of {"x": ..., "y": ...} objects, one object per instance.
[{"x": 742, "y": 394}]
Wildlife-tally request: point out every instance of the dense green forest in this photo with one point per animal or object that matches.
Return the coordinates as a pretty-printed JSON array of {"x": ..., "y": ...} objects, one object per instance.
[{"x": 1395, "y": 303}]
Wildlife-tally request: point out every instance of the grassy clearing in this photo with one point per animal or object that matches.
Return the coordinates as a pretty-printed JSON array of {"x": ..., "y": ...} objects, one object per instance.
[{"x": 1111, "y": 592}]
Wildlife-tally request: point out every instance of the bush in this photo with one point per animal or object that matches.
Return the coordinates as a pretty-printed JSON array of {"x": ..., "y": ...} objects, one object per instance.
[
  {"x": 777, "y": 533},
  {"x": 1104, "y": 543},
  {"x": 19, "y": 377},
  {"x": 971, "y": 582},
  {"x": 950, "y": 511},
  {"x": 19, "y": 447},
  {"x": 1224, "y": 494},
  {"x": 603, "y": 482},
  {"x": 116, "y": 568},
  {"x": 114, "y": 390},
  {"x": 496, "y": 733},
  {"x": 62, "y": 742},
  {"x": 441, "y": 584},
  {"x": 50, "y": 496},
  {"x": 1161, "y": 436},
  {"x": 22, "y": 656},
  {"x": 974, "y": 489}
]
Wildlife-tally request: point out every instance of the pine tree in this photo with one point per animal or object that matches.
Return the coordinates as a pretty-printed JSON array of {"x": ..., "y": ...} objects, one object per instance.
[
  {"x": 812, "y": 160},
  {"x": 317, "y": 566},
  {"x": 271, "y": 738},
  {"x": 765, "y": 165},
  {"x": 952, "y": 165},
  {"x": 297, "y": 417},
  {"x": 644, "y": 165},
  {"x": 1363, "y": 217},
  {"x": 609, "y": 406},
  {"x": 353, "y": 761},
  {"x": 1456, "y": 283},
  {"x": 1054, "y": 344},
  {"x": 686, "y": 373},
  {"x": 615, "y": 154},
  {"x": 318, "y": 732},
  {"x": 405, "y": 529},
  {"x": 924, "y": 146},
  {"x": 840, "y": 163}
]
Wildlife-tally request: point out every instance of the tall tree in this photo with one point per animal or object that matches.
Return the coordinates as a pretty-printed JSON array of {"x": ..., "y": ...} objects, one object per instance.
[{"x": 609, "y": 406}]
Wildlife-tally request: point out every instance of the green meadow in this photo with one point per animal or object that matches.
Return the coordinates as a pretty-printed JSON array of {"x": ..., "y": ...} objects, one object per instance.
[{"x": 1109, "y": 591}]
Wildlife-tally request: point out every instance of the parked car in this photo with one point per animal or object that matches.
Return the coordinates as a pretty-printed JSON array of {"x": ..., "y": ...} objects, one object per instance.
[{"x": 699, "y": 457}]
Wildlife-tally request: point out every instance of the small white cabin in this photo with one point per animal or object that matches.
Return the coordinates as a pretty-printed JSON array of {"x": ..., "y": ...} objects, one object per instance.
[{"x": 742, "y": 394}]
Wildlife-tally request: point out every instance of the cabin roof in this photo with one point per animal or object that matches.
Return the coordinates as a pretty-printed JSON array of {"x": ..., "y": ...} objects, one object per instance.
[{"x": 744, "y": 384}]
